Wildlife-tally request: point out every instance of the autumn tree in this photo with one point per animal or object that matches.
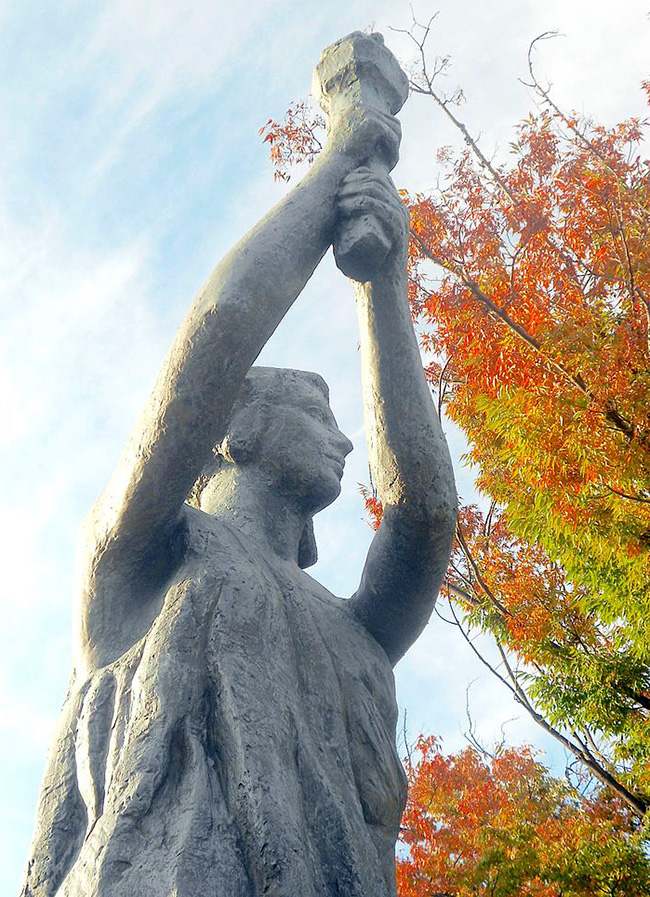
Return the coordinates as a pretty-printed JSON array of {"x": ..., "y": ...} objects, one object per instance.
[
  {"x": 539, "y": 316},
  {"x": 479, "y": 825},
  {"x": 530, "y": 283}
]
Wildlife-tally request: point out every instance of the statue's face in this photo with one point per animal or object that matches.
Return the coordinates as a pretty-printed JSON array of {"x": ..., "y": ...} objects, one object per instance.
[{"x": 304, "y": 450}]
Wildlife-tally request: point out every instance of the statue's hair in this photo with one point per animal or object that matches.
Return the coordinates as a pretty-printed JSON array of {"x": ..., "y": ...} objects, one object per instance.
[{"x": 263, "y": 388}]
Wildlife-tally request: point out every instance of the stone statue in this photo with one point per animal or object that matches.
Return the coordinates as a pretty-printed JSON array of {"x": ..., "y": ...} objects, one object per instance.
[{"x": 230, "y": 725}]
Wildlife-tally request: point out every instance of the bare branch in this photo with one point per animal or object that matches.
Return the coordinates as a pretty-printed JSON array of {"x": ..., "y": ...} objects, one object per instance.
[
  {"x": 637, "y": 804},
  {"x": 477, "y": 573},
  {"x": 427, "y": 89},
  {"x": 470, "y": 735}
]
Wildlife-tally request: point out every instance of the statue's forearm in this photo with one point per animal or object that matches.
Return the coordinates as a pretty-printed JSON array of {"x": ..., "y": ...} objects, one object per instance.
[
  {"x": 411, "y": 470},
  {"x": 408, "y": 452},
  {"x": 249, "y": 293},
  {"x": 267, "y": 269}
]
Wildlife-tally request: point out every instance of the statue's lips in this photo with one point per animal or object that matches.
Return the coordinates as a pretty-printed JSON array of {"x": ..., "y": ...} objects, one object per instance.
[{"x": 340, "y": 463}]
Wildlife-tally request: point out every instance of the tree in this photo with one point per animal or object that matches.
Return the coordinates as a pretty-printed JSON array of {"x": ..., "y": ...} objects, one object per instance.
[
  {"x": 541, "y": 317},
  {"x": 478, "y": 825},
  {"x": 530, "y": 282}
]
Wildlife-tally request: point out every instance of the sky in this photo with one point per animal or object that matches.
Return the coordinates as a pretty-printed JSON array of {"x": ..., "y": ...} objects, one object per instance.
[{"x": 130, "y": 162}]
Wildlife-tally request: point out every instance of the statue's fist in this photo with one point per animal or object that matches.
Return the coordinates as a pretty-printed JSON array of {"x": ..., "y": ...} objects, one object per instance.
[
  {"x": 365, "y": 191},
  {"x": 373, "y": 224},
  {"x": 365, "y": 134}
]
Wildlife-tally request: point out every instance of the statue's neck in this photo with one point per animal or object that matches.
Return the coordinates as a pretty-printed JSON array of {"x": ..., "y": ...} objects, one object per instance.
[{"x": 242, "y": 498}]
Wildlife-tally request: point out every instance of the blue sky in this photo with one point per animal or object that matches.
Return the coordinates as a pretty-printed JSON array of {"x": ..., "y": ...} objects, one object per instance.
[{"x": 130, "y": 163}]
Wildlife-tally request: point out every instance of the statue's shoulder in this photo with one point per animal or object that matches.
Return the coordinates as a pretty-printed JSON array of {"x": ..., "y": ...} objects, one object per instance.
[{"x": 211, "y": 541}]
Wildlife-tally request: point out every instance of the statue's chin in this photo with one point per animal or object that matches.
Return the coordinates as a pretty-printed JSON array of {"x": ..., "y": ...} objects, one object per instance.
[{"x": 328, "y": 491}]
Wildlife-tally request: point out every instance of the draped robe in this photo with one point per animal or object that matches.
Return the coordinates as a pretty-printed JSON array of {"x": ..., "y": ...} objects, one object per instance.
[{"x": 244, "y": 745}]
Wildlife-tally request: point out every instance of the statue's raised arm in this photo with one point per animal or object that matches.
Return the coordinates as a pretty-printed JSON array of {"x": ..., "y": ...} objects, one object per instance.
[{"x": 409, "y": 458}]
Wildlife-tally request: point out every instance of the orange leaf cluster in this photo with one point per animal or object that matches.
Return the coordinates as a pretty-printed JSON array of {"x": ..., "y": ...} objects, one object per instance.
[
  {"x": 373, "y": 506},
  {"x": 294, "y": 139},
  {"x": 502, "y": 826}
]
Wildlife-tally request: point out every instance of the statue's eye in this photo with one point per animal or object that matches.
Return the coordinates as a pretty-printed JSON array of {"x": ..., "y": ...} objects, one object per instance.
[{"x": 319, "y": 414}]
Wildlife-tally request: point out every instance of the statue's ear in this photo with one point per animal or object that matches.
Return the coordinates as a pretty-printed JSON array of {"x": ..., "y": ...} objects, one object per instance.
[
  {"x": 307, "y": 550},
  {"x": 248, "y": 430}
]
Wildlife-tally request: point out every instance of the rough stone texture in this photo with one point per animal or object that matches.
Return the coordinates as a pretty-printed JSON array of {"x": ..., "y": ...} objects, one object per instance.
[
  {"x": 229, "y": 729},
  {"x": 226, "y": 752}
]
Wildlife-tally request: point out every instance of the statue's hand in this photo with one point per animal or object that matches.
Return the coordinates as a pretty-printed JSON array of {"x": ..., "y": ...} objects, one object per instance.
[
  {"x": 366, "y": 135},
  {"x": 370, "y": 196}
]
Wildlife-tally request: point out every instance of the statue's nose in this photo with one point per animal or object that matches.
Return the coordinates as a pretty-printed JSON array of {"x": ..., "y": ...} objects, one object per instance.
[{"x": 345, "y": 443}]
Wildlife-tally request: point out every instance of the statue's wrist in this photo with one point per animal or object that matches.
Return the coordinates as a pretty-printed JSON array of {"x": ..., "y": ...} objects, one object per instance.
[{"x": 336, "y": 159}]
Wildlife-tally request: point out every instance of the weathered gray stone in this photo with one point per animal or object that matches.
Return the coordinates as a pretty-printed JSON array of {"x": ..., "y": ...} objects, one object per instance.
[{"x": 230, "y": 725}]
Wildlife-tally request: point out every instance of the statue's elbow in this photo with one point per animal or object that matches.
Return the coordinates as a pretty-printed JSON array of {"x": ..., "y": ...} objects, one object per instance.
[
  {"x": 425, "y": 525},
  {"x": 434, "y": 514}
]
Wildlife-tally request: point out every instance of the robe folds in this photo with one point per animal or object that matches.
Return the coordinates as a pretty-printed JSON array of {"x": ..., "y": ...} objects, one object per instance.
[{"x": 243, "y": 746}]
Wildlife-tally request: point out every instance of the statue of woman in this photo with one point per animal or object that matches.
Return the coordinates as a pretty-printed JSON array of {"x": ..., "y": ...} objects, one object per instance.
[{"x": 230, "y": 725}]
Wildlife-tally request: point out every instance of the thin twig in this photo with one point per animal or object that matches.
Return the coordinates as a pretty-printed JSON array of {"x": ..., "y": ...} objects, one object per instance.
[{"x": 477, "y": 573}]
